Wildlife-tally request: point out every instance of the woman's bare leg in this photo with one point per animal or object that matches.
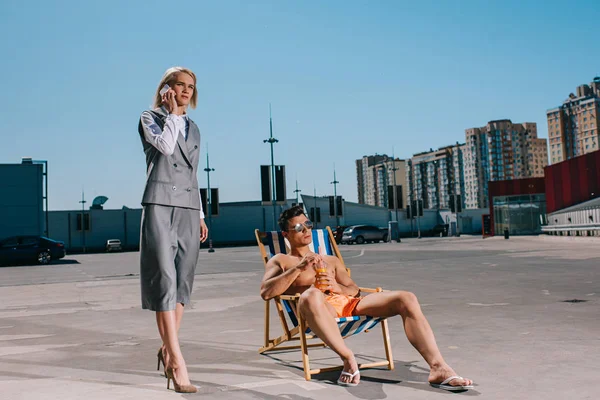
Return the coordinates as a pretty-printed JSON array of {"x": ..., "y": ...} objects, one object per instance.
[
  {"x": 178, "y": 317},
  {"x": 167, "y": 327}
]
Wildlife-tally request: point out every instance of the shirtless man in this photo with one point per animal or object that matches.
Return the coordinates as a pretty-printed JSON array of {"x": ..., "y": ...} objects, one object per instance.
[{"x": 295, "y": 273}]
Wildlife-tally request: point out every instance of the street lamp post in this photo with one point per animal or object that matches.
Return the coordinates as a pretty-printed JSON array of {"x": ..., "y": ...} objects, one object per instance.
[
  {"x": 419, "y": 207},
  {"x": 393, "y": 201},
  {"x": 530, "y": 186},
  {"x": 457, "y": 213},
  {"x": 208, "y": 170},
  {"x": 297, "y": 191},
  {"x": 45, "y": 174},
  {"x": 316, "y": 221},
  {"x": 394, "y": 169},
  {"x": 395, "y": 197},
  {"x": 416, "y": 212},
  {"x": 411, "y": 183},
  {"x": 82, "y": 201},
  {"x": 335, "y": 210},
  {"x": 271, "y": 140}
]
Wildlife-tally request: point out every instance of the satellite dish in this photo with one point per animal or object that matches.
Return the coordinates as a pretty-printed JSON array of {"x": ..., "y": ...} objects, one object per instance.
[{"x": 98, "y": 202}]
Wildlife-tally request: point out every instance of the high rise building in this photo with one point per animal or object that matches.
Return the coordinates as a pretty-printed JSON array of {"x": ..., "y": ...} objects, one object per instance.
[
  {"x": 500, "y": 151},
  {"x": 376, "y": 176},
  {"x": 573, "y": 126},
  {"x": 436, "y": 175}
]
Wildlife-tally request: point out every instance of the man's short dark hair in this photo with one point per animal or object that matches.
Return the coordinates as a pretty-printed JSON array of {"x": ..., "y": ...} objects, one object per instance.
[{"x": 289, "y": 214}]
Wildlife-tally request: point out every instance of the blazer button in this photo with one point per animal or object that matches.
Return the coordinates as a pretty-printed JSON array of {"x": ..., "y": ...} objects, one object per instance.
[
  {"x": 196, "y": 146},
  {"x": 188, "y": 190},
  {"x": 174, "y": 187},
  {"x": 175, "y": 165}
]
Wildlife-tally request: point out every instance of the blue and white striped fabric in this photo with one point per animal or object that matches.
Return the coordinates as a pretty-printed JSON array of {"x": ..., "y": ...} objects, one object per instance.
[
  {"x": 278, "y": 244},
  {"x": 348, "y": 325},
  {"x": 356, "y": 324}
]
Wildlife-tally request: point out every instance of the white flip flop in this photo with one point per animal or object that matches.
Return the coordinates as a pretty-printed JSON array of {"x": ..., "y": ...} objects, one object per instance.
[
  {"x": 344, "y": 373},
  {"x": 444, "y": 385}
]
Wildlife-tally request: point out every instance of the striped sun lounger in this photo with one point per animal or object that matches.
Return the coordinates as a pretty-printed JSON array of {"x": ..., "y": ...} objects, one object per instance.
[{"x": 271, "y": 243}]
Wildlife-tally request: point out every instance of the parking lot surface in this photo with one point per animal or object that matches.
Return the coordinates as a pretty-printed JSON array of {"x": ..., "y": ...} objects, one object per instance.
[{"x": 520, "y": 317}]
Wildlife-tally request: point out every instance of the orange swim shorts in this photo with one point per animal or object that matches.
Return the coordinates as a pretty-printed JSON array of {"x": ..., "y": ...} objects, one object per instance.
[{"x": 344, "y": 305}]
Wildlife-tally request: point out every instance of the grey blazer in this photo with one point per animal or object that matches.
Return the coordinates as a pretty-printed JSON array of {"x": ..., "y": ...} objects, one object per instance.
[{"x": 172, "y": 180}]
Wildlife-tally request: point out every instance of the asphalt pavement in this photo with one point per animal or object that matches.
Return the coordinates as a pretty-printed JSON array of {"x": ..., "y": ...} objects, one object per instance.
[{"x": 520, "y": 317}]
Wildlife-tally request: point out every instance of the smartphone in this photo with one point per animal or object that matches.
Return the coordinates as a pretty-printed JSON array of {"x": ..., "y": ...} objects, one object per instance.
[{"x": 164, "y": 89}]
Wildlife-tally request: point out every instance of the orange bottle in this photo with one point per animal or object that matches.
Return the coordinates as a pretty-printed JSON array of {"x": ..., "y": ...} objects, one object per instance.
[{"x": 321, "y": 272}]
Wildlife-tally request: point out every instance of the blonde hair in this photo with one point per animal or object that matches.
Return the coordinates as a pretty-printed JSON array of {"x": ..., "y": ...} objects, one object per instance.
[{"x": 168, "y": 79}]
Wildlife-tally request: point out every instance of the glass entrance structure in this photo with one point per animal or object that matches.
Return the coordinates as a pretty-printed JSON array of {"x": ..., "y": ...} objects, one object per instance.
[{"x": 520, "y": 214}]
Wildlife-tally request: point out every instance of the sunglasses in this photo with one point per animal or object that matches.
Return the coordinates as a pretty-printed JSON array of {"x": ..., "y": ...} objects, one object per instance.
[{"x": 300, "y": 227}]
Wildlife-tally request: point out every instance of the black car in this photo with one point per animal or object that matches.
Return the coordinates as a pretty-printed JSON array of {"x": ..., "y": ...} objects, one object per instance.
[{"x": 25, "y": 249}]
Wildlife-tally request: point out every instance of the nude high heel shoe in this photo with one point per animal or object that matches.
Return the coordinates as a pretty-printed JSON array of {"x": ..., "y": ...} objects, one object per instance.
[
  {"x": 161, "y": 359},
  {"x": 178, "y": 388}
]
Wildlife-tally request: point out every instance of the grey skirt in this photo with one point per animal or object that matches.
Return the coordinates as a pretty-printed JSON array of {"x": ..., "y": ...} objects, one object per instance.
[{"x": 169, "y": 247}]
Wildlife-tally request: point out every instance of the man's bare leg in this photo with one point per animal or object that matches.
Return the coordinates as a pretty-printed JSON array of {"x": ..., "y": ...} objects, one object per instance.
[
  {"x": 418, "y": 331},
  {"x": 320, "y": 317}
]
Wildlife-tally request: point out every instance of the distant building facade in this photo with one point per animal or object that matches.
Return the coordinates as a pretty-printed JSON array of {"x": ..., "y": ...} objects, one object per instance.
[
  {"x": 499, "y": 151},
  {"x": 437, "y": 175},
  {"x": 380, "y": 179},
  {"x": 573, "y": 126}
]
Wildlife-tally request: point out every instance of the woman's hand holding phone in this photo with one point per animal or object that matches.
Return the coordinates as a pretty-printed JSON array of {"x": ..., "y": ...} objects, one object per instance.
[{"x": 168, "y": 100}]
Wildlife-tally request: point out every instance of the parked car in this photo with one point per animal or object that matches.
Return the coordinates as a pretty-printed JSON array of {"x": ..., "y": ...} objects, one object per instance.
[
  {"x": 364, "y": 233},
  {"x": 113, "y": 245},
  {"x": 24, "y": 249}
]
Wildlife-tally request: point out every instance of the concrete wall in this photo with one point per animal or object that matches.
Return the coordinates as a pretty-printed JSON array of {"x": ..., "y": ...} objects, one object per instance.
[
  {"x": 357, "y": 214},
  {"x": 21, "y": 200},
  {"x": 235, "y": 223},
  {"x": 470, "y": 220},
  {"x": 104, "y": 224}
]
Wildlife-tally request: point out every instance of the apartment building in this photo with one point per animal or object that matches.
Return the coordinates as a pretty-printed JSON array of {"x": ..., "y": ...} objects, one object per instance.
[
  {"x": 573, "y": 126},
  {"x": 501, "y": 150},
  {"x": 377, "y": 177},
  {"x": 435, "y": 175}
]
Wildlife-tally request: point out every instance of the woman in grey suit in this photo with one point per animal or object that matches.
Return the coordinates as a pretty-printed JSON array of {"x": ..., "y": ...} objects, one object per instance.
[{"x": 172, "y": 220}]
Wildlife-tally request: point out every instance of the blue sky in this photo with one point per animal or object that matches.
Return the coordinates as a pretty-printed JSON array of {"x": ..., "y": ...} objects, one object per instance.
[{"x": 345, "y": 79}]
